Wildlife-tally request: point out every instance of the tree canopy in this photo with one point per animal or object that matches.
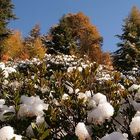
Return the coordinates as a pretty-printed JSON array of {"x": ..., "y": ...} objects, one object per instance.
[
  {"x": 128, "y": 54},
  {"x": 6, "y": 14},
  {"x": 76, "y": 32}
]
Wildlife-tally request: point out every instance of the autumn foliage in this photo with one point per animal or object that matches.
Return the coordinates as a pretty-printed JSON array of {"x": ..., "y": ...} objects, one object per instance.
[
  {"x": 74, "y": 35},
  {"x": 85, "y": 33},
  {"x": 75, "y": 32},
  {"x": 15, "y": 48},
  {"x": 106, "y": 59},
  {"x": 35, "y": 48}
]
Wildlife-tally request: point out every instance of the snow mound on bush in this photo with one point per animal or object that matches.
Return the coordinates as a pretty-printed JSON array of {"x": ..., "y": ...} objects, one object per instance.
[
  {"x": 101, "y": 113},
  {"x": 135, "y": 124},
  {"x": 114, "y": 136},
  {"x": 7, "y": 133},
  {"x": 82, "y": 132},
  {"x": 31, "y": 106}
]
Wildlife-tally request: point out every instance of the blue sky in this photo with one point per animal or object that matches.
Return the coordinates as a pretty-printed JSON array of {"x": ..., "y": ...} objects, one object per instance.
[{"x": 107, "y": 15}]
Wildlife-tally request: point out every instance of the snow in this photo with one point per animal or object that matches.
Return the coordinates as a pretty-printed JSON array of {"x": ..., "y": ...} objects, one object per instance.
[
  {"x": 82, "y": 132},
  {"x": 82, "y": 96},
  {"x": 91, "y": 104},
  {"x": 70, "y": 89},
  {"x": 114, "y": 136},
  {"x": 88, "y": 94},
  {"x": 5, "y": 109},
  {"x": 99, "y": 98},
  {"x": 80, "y": 69},
  {"x": 2, "y": 65},
  {"x": 65, "y": 97},
  {"x": 134, "y": 87},
  {"x": 102, "y": 112},
  {"x": 31, "y": 106},
  {"x": 7, "y": 133},
  {"x": 70, "y": 69},
  {"x": 8, "y": 70},
  {"x": 135, "y": 125}
]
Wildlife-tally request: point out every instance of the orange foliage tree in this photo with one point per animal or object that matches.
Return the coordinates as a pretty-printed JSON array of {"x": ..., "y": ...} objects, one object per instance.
[
  {"x": 35, "y": 48},
  {"x": 34, "y": 44},
  {"x": 77, "y": 29},
  {"x": 14, "y": 47},
  {"x": 106, "y": 59}
]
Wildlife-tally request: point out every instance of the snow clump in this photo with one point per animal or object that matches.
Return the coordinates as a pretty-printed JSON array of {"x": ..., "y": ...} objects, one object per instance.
[
  {"x": 135, "y": 124},
  {"x": 2, "y": 65},
  {"x": 82, "y": 132},
  {"x": 102, "y": 112},
  {"x": 134, "y": 87},
  {"x": 65, "y": 96},
  {"x": 7, "y": 133},
  {"x": 8, "y": 70},
  {"x": 114, "y": 136},
  {"x": 82, "y": 96},
  {"x": 4, "y": 109},
  {"x": 31, "y": 106},
  {"x": 99, "y": 98}
]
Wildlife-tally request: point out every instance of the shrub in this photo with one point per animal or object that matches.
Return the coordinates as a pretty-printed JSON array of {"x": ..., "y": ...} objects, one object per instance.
[{"x": 42, "y": 102}]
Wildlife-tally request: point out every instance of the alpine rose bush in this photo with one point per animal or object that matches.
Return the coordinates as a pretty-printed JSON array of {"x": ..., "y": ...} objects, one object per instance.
[{"x": 66, "y": 97}]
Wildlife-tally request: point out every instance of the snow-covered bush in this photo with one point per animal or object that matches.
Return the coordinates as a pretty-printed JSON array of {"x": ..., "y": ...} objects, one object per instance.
[{"x": 65, "y": 97}]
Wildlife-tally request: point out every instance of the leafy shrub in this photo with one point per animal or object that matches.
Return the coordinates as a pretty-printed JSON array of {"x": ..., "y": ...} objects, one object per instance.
[{"x": 84, "y": 100}]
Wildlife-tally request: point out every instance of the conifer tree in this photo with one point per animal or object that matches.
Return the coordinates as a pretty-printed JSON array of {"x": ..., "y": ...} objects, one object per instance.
[
  {"x": 35, "y": 32},
  {"x": 128, "y": 54},
  {"x": 6, "y": 14},
  {"x": 62, "y": 40}
]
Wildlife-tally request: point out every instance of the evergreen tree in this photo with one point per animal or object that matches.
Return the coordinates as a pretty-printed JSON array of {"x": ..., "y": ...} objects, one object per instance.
[
  {"x": 6, "y": 14},
  {"x": 35, "y": 32},
  {"x": 62, "y": 40},
  {"x": 128, "y": 54},
  {"x": 33, "y": 35}
]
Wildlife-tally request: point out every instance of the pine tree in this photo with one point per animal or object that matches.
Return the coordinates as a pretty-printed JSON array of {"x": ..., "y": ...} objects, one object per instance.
[
  {"x": 6, "y": 14},
  {"x": 128, "y": 54},
  {"x": 62, "y": 40},
  {"x": 35, "y": 32}
]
